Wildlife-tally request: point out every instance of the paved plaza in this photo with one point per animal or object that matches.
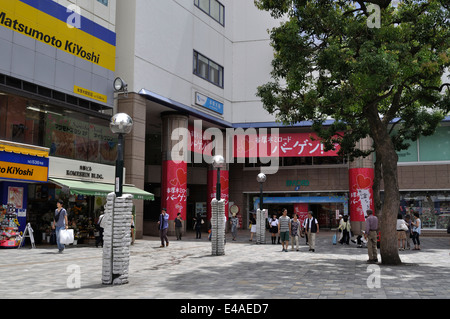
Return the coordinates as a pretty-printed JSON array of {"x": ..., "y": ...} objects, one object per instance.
[{"x": 187, "y": 270}]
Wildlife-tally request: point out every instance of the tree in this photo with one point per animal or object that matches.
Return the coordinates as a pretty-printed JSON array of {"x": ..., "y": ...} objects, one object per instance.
[{"x": 330, "y": 62}]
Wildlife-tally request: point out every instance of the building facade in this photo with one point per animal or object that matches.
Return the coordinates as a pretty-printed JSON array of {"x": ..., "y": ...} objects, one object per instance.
[
  {"x": 56, "y": 101},
  {"x": 191, "y": 61}
]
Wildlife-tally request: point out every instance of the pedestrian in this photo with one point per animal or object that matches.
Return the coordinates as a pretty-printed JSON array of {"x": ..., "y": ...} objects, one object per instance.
[
  {"x": 99, "y": 231},
  {"x": 295, "y": 231},
  {"x": 416, "y": 230},
  {"x": 304, "y": 230},
  {"x": 312, "y": 228},
  {"x": 133, "y": 233},
  {"x": 408, "y": 232},
  {"x": 371, "y": 236},
  {"x": 345, "y": 228},
  {"x": 252, "y": 226},
  {"x": 273, "y": 223},
  {"x": 178, "y": 226},
  {"x": 198, "y": 221},
  {"x": 163, "y": 223},
  {"x": 234, "y": 221},
  {"x": 284, "y": 227},
  {"x": 60, "y": 222},
  {"x": 401, "y": 232}
]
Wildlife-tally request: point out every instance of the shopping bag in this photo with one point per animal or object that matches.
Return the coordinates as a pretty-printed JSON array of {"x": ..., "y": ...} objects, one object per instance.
[
  {"x": 334, "y": 239},
  {"x": 66, "y": 236}
]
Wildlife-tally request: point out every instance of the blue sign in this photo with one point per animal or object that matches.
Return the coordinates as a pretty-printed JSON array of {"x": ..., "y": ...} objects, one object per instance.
[{"x": 208, "y": 103}]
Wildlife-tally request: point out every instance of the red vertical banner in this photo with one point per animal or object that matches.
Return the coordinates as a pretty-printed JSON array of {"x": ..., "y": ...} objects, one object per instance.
[
  {"x": 301, "y": 209},
  {"x": 361, "y": 193},
  {"x": 224, "y": 182},
  {"x": 174, "y": 188}
]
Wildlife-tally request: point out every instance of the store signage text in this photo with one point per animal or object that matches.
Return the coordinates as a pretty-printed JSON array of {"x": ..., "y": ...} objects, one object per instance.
[
  {"x": 62, "y": 31},
  {"x": 69, "y": 46},
  {"x": 208, "y": 103},
  {"x": 84, "y": 171},
  {"x": 16, "y": 171},
  {"x": 297, "y": 183}
]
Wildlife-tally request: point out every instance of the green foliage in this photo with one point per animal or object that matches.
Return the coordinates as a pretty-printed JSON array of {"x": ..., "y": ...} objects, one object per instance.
[{"x": 329, "y": 64}]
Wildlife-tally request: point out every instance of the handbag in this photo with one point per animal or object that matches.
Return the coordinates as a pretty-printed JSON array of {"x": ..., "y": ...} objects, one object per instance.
[
  {"x": 66, "y": 236},
  {"x": 404, "y": 227}
]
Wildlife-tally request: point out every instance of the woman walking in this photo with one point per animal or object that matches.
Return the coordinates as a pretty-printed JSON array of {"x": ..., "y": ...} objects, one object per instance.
[
  {"x": 401, "y": 232},
  {"x": 416, "y": 231}
]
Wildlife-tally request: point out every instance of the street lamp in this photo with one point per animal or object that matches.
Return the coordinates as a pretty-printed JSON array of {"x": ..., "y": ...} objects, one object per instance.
[
  {"x": 218, "y": 162},
  {"x": 261, "y": 178},
  {"x": 121, "y": 124}
]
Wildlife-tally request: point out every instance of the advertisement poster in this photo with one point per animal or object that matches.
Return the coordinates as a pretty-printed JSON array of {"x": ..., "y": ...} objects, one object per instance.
[
  {"x": 174, "y": 188},
  {"x": 15, "y": 196},
  {"x": 361, "y": 193},
  {"x": 282, "y": 145},
  {"x": 224, "y": 189},
  {"x": 301, "y": 210}
]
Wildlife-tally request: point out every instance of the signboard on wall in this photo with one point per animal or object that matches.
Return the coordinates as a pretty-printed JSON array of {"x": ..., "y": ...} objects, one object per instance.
[{"x": 209, "y": 103}]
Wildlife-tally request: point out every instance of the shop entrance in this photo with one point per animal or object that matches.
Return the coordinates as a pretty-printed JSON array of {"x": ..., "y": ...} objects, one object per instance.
[{"x": 324, "y": 208}]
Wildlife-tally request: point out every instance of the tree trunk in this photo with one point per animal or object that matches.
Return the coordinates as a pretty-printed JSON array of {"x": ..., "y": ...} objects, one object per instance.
[
  {"x": 391, "y": 204},
  {"x": 387, "y": 222}
]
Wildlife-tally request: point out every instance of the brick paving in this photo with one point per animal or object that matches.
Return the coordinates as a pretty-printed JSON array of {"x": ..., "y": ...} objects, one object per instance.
[{"x": 187, "y": 270}]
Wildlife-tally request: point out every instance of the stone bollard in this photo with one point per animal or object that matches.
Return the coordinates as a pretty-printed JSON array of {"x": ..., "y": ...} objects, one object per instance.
[
  {"x": 117, "y": 239},
  {"x": 218, "y": 227},
  {"x": 261, "y": 226}
]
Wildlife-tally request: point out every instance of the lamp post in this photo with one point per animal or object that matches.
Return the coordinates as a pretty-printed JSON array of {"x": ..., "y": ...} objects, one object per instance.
[
  {"x": 121, "y": 124},
  {"x": 218, "y": 162},
  {"x": 261, "y": 178}
]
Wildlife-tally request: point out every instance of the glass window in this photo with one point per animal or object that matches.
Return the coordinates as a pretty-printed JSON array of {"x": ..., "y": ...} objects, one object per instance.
[
  {"x": 104, "y": 2},
  {"x": 433, "y": 207},
  {"x": 67, "y": 133},
  {"x": 213, "y": 8},
  {"x": 208, "y": 70}
]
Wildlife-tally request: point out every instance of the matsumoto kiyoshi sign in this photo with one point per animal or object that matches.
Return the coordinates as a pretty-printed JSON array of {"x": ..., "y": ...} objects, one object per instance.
[
  {"x": 48, "y": 22},
  {"x": 20, "y": 167}
]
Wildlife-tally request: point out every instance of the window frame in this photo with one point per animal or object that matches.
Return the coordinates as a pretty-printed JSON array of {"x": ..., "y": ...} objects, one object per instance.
[
  {"x": 221, "y": 70},
  {"x": 221, "y": 11}
]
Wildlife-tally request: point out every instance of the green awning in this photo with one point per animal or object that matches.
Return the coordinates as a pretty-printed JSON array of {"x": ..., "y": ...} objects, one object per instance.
[{"x": 99, "y": 189}]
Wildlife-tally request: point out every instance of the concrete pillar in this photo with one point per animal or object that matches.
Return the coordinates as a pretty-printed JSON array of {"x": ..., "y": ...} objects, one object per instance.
[
  {"x": 174, "y": 170},
  {"x": 134, "y": 152}
]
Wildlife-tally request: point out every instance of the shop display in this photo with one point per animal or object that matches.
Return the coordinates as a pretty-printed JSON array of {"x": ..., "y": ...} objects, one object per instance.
[{"x": 9, "y": 230}]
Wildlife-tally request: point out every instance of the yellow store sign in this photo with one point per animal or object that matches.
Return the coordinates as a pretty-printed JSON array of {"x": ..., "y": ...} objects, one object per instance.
[{"x": 47, "y": 21}]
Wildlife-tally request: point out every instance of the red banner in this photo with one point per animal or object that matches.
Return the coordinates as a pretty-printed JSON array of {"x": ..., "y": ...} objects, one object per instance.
[
  {"x": 302, "y": 211},
  {"x": 266, "y": 145},
  {"x": 282, "y": 145},
  {"x": 212, "y": 187},
  {"x": 174, "y": 188},
  {"x": 361, "y": 193}
]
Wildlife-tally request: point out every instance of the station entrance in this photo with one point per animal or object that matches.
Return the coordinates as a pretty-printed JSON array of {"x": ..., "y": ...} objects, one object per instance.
[{"x": 325, "y": 208}]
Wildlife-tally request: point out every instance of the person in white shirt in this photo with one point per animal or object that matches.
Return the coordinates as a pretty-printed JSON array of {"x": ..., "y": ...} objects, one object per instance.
[{"x": 273, "y": 223}]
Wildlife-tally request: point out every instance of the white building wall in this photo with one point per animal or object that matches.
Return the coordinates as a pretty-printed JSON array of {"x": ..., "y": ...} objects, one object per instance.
[{"x": 159, "y": 58}]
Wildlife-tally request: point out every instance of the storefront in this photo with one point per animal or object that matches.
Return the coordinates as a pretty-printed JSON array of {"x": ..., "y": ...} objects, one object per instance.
[
  {"x": 21, "y": 167},
  {"x": 83, "y": 186}
]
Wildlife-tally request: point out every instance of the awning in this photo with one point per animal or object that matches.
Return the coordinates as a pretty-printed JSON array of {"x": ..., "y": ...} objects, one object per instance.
[{"x": 99, "y": 189}]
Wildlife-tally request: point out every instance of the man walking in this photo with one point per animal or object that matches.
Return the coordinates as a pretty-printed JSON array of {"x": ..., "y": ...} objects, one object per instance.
[
  {"x": 371, "y": 236},
  {"x": 163, "y": 227},
  {"x": 60, "y": 222},
  {"x": 284, "y": 228},
  {"x": 312, "y": 228}
]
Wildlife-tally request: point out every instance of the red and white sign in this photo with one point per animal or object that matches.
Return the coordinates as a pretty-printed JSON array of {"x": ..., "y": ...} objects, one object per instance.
[
  {"x": 212, "y": 187},
  {"x": 361, "y": 193},
  {"x": 266, "y": 145},
  {"x": 301, "y": 210},
  {"x": 174, "y": 188}
]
